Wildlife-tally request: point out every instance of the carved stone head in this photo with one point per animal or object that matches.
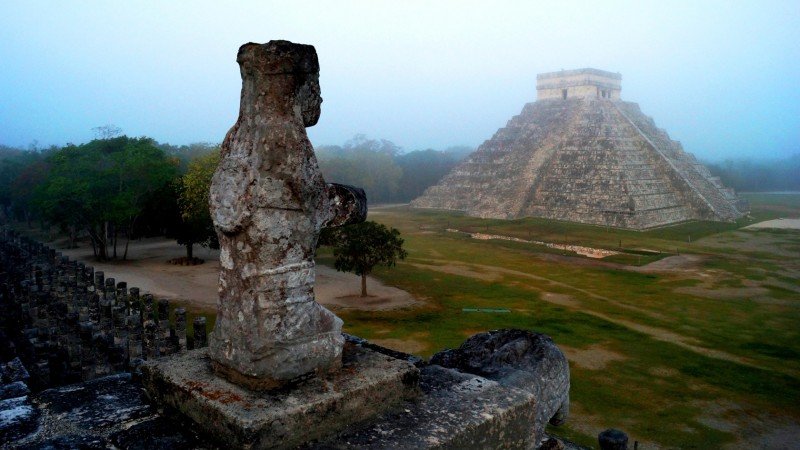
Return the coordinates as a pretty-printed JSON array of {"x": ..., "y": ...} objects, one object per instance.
[{"x": 290, "y": 73}]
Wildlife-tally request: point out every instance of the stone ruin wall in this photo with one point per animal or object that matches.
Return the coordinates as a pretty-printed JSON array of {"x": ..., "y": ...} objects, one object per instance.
[
  {"x": 581, "y": 83},
  {"x": 633, "y": 176},
  {"x": 473, "y": 185},
  {"x": 612, "y": 180},
  {"x": 67, "y": 323},
  {"x": 584, "y": 160},
  {"x": 712, "y": 200}
]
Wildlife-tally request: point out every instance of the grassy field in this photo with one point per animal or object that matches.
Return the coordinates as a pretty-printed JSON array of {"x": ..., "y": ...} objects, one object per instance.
[{"x": 688, "y": 339}]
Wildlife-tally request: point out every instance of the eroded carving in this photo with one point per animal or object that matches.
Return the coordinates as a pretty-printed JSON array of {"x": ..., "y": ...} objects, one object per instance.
[{"x": 269, "y": 202}]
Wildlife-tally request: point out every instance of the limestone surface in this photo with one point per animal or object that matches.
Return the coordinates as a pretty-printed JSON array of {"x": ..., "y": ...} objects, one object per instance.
[
  {"x": 584, "y": 159},
  {"x": 521, "y": 359},
  {"x": 497, "y": 390},
  {"x": 268, "y": 202},
  {"x": 368, "y": 384}
]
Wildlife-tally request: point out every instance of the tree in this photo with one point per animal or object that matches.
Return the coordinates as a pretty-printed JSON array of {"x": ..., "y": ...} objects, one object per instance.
[
  {"x": 366, "y": 163},
  {"x": 188, "y": 153},
  {"x": 107, "y": 131},
  {"x": 20, "y": 172},
  {"x": 102, "y": 187},
  {"x": 140, "y": 169},
  {"x": 359, "y": 248},
  {"x": 193, "y": 188},
  {"x": 381, "y": 168},
  {"x": 424, "y": 168}
]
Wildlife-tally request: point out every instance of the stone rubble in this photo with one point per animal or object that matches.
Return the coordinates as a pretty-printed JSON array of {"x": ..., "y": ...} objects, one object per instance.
[{"x": 64, "y": 322}]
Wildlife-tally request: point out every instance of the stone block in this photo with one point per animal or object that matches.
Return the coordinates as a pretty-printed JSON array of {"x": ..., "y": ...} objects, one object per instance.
[
  {"x": 456, "y": 411},
  {"x": 18, "y": 418},
  {"x": 368, "y": 384},
  {"x": 12, "y": 390},
  {"x": 104, "y": 413}
]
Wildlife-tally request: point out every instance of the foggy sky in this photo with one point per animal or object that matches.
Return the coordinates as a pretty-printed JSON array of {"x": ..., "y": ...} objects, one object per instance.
[{"x": 721, "y": 77}]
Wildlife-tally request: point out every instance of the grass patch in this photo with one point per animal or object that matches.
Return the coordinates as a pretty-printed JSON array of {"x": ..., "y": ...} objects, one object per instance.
[
  {"x": 774, "y": 351},
  {"x": 624, "y": 394},
  {"x": 630, "y": 258}
]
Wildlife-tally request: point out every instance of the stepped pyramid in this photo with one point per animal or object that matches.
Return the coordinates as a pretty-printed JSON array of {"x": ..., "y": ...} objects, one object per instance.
[{"x": 581, "y": 154}]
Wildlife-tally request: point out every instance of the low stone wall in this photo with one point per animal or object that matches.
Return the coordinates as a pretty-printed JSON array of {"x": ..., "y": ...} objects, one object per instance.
[{"x": 67, "y": 323}]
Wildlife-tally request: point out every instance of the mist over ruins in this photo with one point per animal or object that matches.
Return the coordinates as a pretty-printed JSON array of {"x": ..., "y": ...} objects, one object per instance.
[
  {"x": 377, "y": 225},
  {"x": 581, "y": 154}
]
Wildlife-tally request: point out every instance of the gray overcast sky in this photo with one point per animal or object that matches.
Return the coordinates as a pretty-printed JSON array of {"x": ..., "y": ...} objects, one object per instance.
[{"x": 721, "y": 77}]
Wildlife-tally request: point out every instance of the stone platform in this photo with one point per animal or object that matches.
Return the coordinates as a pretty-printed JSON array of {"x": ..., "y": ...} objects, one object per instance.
[
  {"x": 498, "y": 390},
  {"x": 456, "y": 411},
  {"x": 369, "y": 384}
]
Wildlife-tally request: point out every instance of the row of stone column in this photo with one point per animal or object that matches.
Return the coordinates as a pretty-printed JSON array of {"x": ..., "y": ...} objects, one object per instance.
[{"x": 69, "y": 323}]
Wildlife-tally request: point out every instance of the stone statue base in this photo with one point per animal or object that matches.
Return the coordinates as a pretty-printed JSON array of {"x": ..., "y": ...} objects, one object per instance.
[
  {"x": 260, "y": 384},
  {"x": 498, "y": 390},
  {"x": 314, "y": 407}
]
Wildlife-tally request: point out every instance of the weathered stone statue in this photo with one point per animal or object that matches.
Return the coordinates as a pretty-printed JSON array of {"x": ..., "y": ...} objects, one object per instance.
[{"x": 269, "y": 202}]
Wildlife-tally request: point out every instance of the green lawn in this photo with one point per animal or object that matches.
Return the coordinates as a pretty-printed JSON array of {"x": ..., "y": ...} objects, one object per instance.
[{"x": 714, "y": 340}]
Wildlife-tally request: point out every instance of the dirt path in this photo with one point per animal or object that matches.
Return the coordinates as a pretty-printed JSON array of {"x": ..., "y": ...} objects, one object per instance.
[
  {"x": 654, "y": 332},
  {"x": 197, "y": 285},
  {"x": 791, "y": 224},
  {"x": 672, "y": 263}
]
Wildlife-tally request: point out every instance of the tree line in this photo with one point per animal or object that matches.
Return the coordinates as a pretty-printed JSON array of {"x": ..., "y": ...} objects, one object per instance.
[
  {"x": 748, "y": 175},
  {"x": 117, "y": 188},
  {"x": 383, "y": 170},
  {"x": 112, "y": 189}
]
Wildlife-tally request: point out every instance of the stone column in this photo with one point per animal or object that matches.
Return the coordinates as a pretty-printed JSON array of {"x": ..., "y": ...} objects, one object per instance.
[
  {"x": 179, "y": 337},
  {"x": 134, "y": 324},
  {"x": 111, "y": 292},
  {"x": 164, "y": 342},
  {"x": 199, "y": 332},
  {"x": 121, "y": 356},
  {"x": 149, "y": 328},
  {"x": 613, "y": 439},
  {"x": 150, "y": 341},
  {"x": 99, "y": 280},
  {"x": 269, "y": 202},
  {"x": 122, "y": 295},
  {"x": 147, "y": 307}
]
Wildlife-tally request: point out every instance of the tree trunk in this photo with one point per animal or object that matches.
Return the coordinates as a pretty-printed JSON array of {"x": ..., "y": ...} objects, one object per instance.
[
  {"x": 114, "y": 240},
  {"x": 102, "y": 251},
  {"x": 128, "y": 236},
  {"x": 103, "y": 244},
  {"x": 364, "y": 285},
  {"x": 94, "y": 244},
  {"x": 73, "y": 236},
  {"x": 127, "y": 242},
  {"x": 189, "y": 252}
]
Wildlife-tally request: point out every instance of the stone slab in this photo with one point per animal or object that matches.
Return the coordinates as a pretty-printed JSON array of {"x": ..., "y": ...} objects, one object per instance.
[
  {"x": 108, "y": 412},
  {"x": 455, "y": 411},
  {"x": 368, "y": 384}
]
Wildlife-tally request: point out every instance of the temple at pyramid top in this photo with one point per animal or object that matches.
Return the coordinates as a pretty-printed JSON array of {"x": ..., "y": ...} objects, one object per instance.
[{"x": 581, "y": 83}]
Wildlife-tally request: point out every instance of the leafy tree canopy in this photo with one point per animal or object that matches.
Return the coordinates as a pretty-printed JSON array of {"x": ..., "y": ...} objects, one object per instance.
[
  {"x": 102, "y": 183},
  {"x": 361, "y": 247},
  {"x": 365, "y": 163},
  {"x": 383, "y": 170},
  {"x": 193, "y": 191}
]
